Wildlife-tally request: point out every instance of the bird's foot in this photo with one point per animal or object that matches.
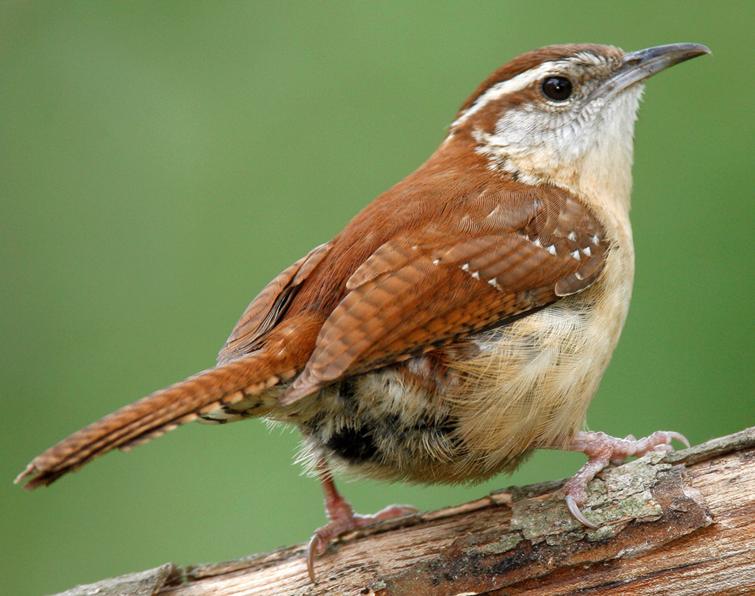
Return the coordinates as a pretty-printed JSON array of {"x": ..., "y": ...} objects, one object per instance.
[
  {"x": 344, "y": 520},
  {"x": 601, "y": 450}
]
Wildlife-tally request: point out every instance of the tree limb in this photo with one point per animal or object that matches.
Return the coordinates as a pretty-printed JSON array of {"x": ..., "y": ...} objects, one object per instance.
[{"x": 678, "y": 524}]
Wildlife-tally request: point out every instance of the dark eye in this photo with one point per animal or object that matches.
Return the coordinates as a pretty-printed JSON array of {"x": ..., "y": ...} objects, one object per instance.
[{"x": 557, "y": 88}]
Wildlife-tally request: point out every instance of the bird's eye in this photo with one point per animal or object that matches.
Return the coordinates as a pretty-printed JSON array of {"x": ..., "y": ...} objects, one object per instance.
[{"x": 557, "y": 88}]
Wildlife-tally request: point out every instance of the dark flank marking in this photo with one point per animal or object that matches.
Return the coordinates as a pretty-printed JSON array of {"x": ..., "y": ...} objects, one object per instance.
[
  {"x": 444, "y": 426},
  {"x": 366, "y": 439},
  {"x": 347, "y": 390},
  {"x": 313, "y": 424},
  {"x": 353, "y": 444},
  {"x": 347, "y": 396},
  {"x": 358, "y": 444}
]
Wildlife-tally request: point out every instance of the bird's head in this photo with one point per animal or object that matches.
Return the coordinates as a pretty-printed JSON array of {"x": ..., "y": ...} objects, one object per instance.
[{"x": 565, "y": 114}]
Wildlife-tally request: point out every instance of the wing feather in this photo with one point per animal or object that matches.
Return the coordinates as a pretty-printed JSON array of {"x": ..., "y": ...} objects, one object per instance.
[
  {"x": 269, "y": 307},
  {"x": 432, "y": 286}
]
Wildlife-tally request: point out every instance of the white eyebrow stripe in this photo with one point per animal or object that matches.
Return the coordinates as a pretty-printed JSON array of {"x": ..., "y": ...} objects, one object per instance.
[{"x": 517, "y": 83}]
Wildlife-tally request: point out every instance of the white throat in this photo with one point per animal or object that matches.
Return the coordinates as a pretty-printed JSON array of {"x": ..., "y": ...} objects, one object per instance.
[{"x": 589, "y": 155}]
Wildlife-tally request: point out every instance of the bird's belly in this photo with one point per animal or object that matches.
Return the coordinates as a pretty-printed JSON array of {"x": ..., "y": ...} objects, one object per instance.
[
  {"x": 526, "y": 385},
  {"x": 532, "y": 382}
]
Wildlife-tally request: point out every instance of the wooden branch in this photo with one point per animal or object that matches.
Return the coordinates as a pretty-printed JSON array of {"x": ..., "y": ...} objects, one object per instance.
[{"x": 679, "y": 524}]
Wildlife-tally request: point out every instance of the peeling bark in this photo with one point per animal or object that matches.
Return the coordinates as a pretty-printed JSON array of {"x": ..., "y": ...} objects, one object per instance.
[{"x": 682, "y": 523}]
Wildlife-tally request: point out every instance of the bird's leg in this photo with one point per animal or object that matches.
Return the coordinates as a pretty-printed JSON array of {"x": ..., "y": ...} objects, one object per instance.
[
  {"x": 602, "y": 449},
  {"x": 342, "y": 518}
]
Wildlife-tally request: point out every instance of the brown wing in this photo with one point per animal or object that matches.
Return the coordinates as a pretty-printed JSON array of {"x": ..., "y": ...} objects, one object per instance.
[
  {"x": 267, "y": 309},
  {"x": 431, "y": 286}
]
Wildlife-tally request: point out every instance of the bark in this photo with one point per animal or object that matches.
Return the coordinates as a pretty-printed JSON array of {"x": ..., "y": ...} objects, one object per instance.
[{"x": 682, "y": 523}]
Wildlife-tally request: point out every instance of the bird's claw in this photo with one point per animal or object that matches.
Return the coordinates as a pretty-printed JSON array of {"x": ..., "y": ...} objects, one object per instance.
[
  {"x": 602, "y": 449},
  {"x": 577, "y": 514}
]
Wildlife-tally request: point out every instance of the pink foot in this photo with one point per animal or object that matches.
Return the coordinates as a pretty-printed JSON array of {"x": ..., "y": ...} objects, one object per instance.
[
  {"x": 342, "y": 518},
  {"x": 602, "y": 449},
  {"x": 345, "y": 520}
]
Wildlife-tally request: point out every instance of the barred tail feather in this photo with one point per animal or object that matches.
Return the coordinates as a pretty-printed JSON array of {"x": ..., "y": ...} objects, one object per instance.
[{"x": 153, "y": 416}]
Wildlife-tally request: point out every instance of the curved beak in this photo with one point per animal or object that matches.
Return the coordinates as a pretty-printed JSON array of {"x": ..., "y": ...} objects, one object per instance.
[{"x": 642, "y": 64}]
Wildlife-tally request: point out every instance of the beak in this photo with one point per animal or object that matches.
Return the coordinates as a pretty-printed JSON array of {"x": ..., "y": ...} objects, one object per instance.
[{"x": 643, "y": 64}]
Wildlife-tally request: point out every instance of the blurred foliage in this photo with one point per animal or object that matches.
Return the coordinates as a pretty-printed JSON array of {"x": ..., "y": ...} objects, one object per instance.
[{"x": 160, "y": 161}]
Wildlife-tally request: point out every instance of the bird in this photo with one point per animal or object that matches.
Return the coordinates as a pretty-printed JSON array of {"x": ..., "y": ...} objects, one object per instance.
[{"x": 459, "y": 321}]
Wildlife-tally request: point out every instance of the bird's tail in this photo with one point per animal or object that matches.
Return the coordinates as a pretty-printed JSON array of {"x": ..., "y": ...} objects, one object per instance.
[{"x": 158, "y": 413}]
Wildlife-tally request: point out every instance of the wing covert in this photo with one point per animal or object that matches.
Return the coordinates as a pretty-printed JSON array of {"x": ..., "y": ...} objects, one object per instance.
[
  {"x": 270, "y": 305},
  {"x": 438, "y": 283}
]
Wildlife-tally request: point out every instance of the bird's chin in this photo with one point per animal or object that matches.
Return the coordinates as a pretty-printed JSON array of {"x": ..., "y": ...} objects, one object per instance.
[{"x": 605, "y": 168}]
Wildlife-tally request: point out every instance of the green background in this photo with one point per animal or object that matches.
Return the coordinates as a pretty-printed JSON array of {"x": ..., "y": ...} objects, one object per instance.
[{"x": 160, "y": 161}]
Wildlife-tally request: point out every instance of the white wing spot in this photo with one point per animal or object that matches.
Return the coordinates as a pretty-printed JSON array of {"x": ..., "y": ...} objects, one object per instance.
[
  {"x": 436, "y": 261},
  {"x": 494, "y": 282},
  {"x": 575, "y": 255},
  {"x": 587, "y": 252},
  {"x": 595, "y": 239},
  {"x": 572, "y": 236},
  {"x": 465, "y": 267},
  {"x": 476, "y": 275},
  {"x": 537, "y": 242},
  {"x": 552, "y": 249},
  {"x": 578, "y": 275}
]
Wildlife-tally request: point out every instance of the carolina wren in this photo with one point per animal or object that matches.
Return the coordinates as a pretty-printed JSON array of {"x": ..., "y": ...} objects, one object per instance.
[{"x": 464, "y": 318}]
